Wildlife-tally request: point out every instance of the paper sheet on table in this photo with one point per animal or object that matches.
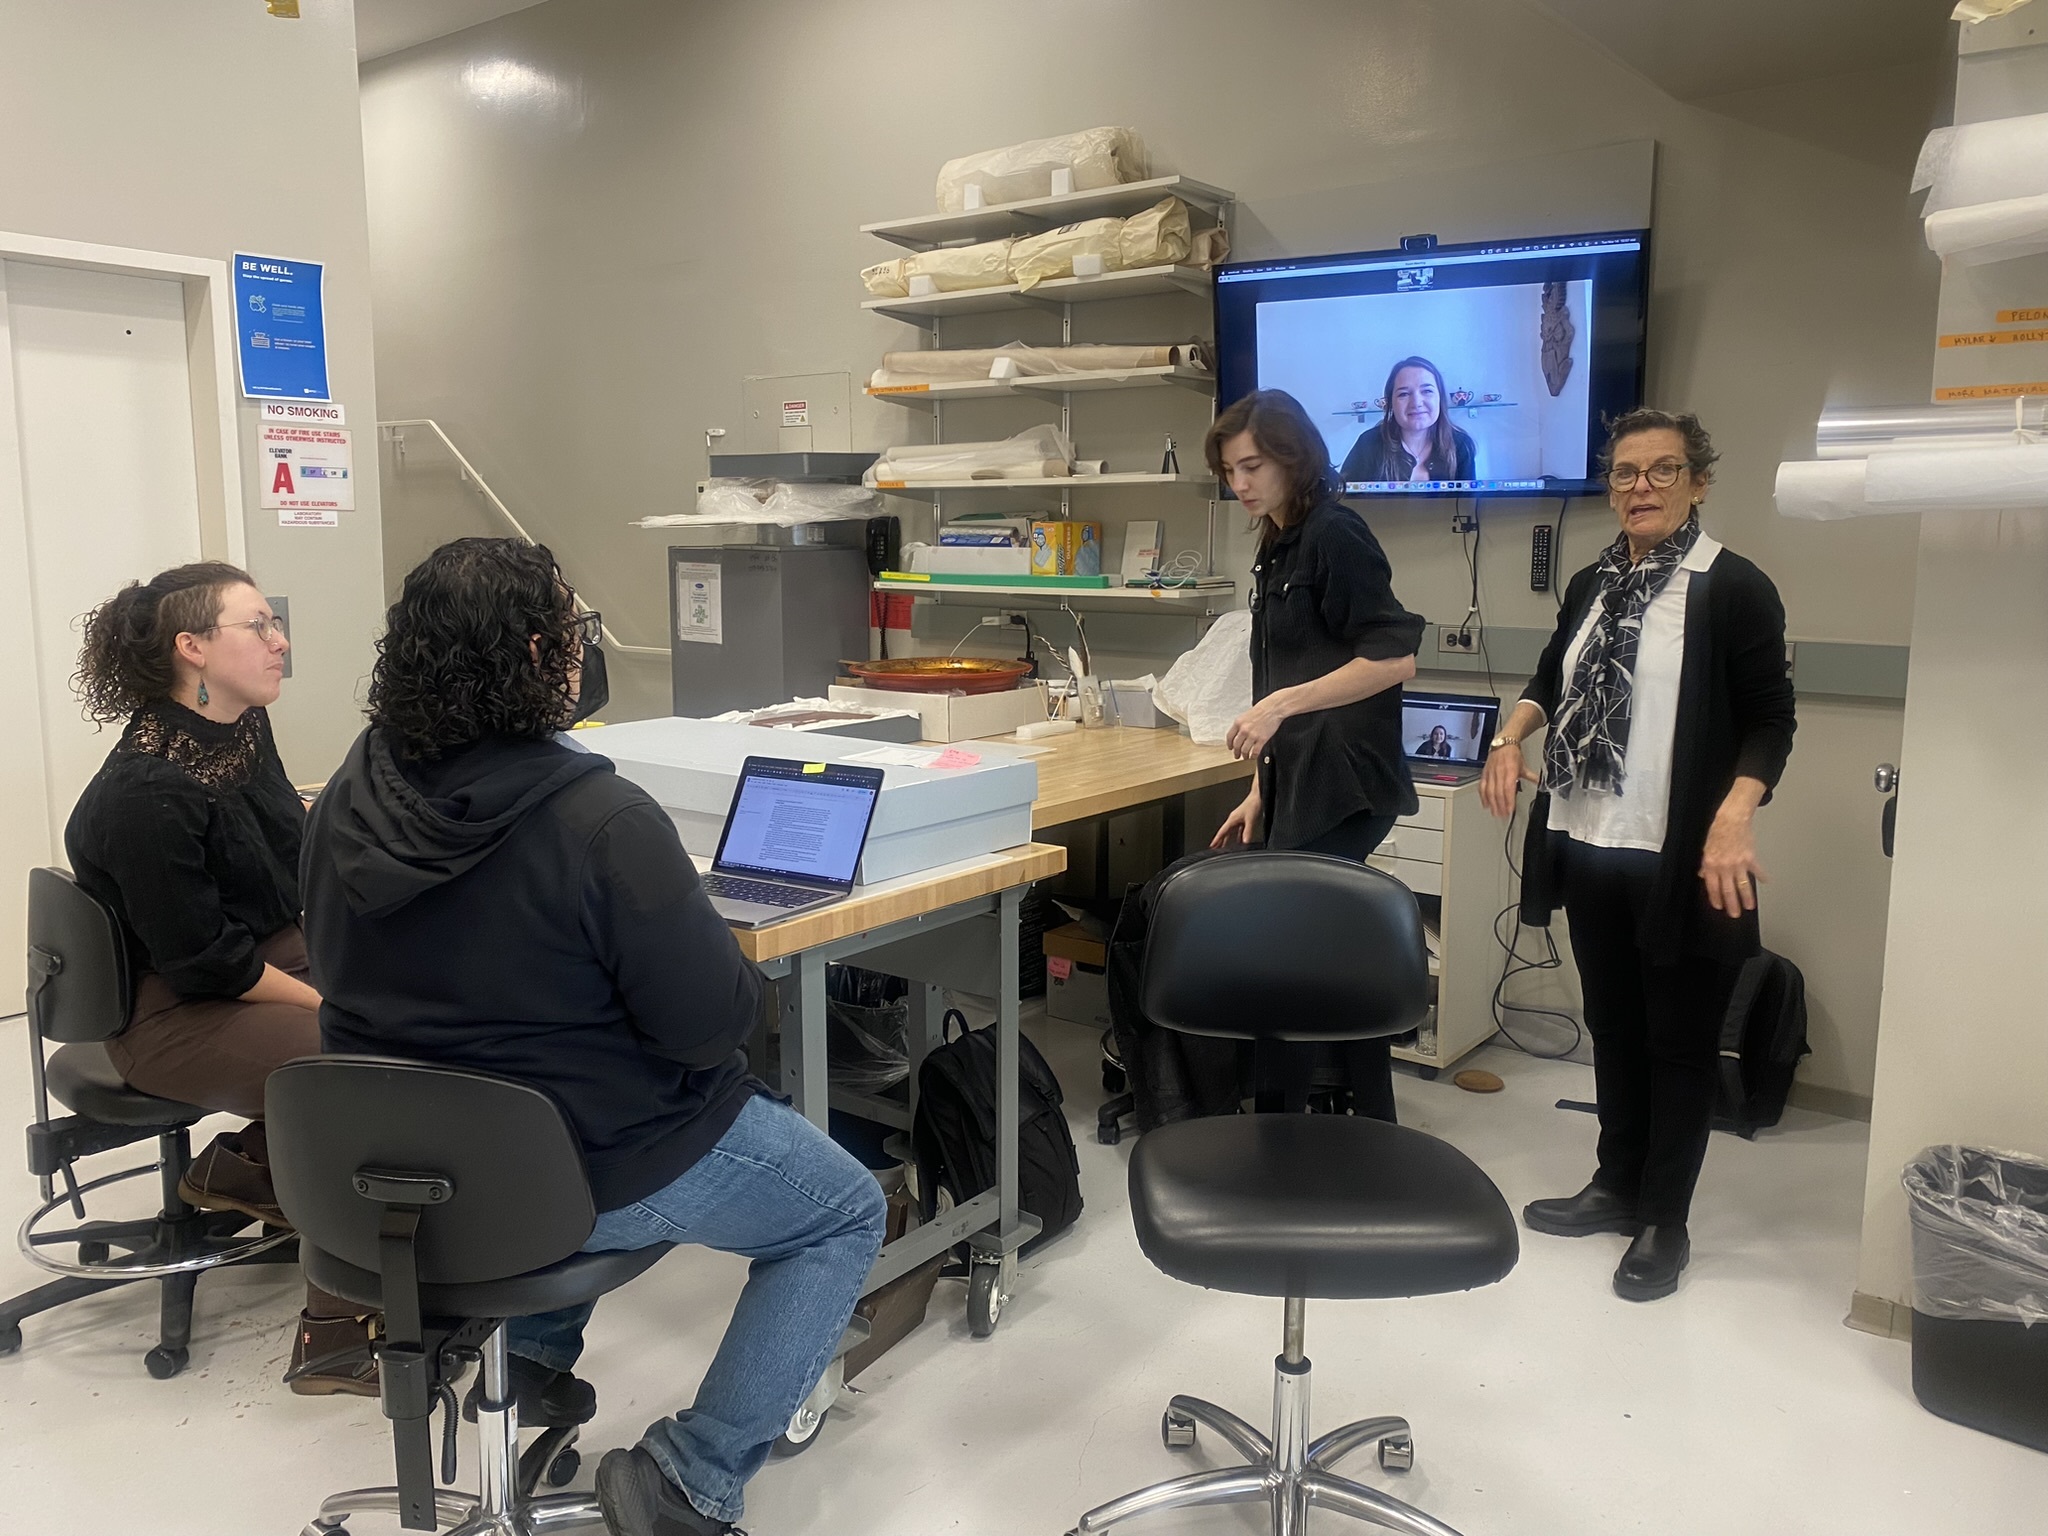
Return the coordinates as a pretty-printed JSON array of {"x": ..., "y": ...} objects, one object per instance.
[{"x": 898, "y": 757}]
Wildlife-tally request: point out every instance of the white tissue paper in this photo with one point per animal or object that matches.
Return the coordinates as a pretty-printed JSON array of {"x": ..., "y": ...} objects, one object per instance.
[
  {"x": 1823, "y": 491},
  {"x": 1984, "y": 232},
  {"x": 2015, "y": 475},
  {"x": 778, "y": 502},
  {"x": 1983, "y": 162},
  {"x": 1211, "y": 685}
]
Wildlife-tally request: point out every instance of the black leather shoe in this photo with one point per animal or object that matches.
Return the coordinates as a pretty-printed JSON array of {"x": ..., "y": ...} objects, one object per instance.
[
  {"x": 546, "y": 1399},
  {"x": 638, "y": 1500},
  {"x": 1650, "y": 1267},
  {"x": 1591, "y": 1210}
]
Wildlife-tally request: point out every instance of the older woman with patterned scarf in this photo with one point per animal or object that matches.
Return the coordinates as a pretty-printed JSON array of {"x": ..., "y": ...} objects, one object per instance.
[{"x": 1670, "y": 720}]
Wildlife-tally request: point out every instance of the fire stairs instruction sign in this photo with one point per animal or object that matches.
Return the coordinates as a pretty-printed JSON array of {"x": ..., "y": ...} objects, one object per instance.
[{"x": 307, "y": 473}]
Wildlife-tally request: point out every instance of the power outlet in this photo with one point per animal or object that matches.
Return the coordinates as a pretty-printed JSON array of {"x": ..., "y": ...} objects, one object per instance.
[
  {"x": 1465, "y": 520},
  {"x": 1458, "y": 640}
]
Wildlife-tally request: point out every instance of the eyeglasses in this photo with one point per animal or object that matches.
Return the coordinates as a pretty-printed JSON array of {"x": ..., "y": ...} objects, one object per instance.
[
  {"x": 271, "y": 628},
  {"x": 1662, "y": 475},
  {"x": 587, "y": 627}
]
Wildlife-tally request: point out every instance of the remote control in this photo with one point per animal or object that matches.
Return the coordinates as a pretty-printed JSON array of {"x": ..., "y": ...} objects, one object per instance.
[{"x": 1539, "y": 558}]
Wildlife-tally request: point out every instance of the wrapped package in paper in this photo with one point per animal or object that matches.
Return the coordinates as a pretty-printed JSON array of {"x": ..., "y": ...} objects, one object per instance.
[
  {"x": 1984, "y": 162},
  {"x": 1161, "y": 236},
  {"x": 1209, "y": 247},
  {"x": 907, "y": 370},
  {"x": 1985, "y": 232},
  {"x": 1098, "y": 157},
  {"x": 1037, "y": 453},
  {"x": 887, "y": 279},
  {"x": 960, "y": 267},
  {"x": 1038, "y": 257}
]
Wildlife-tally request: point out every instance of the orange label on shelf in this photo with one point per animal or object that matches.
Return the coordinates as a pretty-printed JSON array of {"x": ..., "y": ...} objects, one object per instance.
[
  {"x": 2021, "y": 316},
  {"x": 919, "y": 389},
  {"x": 1991, "y": 338},
  {"x": 1989, "y": 391},
  {"x": 890, "y": 485}
]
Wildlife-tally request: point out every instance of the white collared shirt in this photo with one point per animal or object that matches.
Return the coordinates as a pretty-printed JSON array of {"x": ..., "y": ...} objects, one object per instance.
[{"x": 1635, "y": 816}]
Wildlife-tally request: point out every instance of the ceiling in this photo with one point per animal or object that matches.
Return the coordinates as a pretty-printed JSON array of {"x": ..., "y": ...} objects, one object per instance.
[
  {"x": 385, "y": 26},
  {"x": 1694, "y": 49}
]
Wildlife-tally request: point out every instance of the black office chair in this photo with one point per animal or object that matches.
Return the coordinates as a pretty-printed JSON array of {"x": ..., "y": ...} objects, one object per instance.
[
  {"x": 80, "y": 996},
  {"x": 450, "y": 1200},
  {"x": 1296, "y": 946}
]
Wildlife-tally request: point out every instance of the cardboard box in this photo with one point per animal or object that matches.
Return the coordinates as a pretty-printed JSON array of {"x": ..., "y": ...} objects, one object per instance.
[
  {"x": 1077, "y": 993},
  {"x": 1077, "y": 942},
  {"x": 925, "y": 817},
  {"x": 953, "y": 716}
]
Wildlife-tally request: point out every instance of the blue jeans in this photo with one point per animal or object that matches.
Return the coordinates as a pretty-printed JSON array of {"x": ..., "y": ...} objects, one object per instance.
[{"x": 779, "y": 1191}]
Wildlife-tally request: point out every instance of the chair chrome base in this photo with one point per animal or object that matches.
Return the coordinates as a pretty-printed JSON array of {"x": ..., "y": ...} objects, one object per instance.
[
  {"x": 1288, "y": 1471},
  {"x": 498, "y": 1508}
]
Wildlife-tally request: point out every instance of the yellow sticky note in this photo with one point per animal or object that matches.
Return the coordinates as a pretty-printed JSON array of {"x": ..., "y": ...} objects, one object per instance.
[{"x": 814, "y": 767}]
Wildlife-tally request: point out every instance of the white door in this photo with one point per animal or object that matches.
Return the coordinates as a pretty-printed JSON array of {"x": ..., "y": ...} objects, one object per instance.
[{"x": 101, "y": 430}]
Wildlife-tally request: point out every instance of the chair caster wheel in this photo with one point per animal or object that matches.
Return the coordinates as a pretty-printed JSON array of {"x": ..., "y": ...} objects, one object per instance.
[
  {"x": 563, "y": 1469},
  {"x": 984, "y": 1299},
  {"x": 10, "y": 1338},
  {"x": 164, "y": 1363},
  {"x": 1397, "y": 1453},
  {"x": 93, "y": 1253},
  {"x": 1176, "y": 1431},
  {"x": 1109, "y": 1135},
  {"x": 801, "y": 1434}
]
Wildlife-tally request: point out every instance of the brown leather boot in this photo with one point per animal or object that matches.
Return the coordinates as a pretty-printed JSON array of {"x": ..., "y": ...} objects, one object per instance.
[
  {"x": 233, "y": 1174},
  {"x": 333, "y": 1348}
]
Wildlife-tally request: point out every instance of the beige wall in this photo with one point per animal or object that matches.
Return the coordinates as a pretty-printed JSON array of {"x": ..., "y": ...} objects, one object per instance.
[
  {"x": 1963, "y": 1055},
  {"x": 592, "y": 219},
  {"x": 203, "y": 128}
]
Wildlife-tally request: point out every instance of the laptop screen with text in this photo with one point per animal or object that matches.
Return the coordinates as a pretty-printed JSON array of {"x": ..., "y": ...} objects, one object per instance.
[{"x": 808, "y": 826}]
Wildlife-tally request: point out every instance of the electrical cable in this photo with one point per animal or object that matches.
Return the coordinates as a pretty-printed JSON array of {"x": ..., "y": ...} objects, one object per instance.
[
  {"x": 1514, "y": 964},
  {"x": 1564, "y": 505}
]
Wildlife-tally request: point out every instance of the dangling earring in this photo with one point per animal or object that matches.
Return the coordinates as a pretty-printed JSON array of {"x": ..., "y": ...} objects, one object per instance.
[{"x": 203, "y": 695}]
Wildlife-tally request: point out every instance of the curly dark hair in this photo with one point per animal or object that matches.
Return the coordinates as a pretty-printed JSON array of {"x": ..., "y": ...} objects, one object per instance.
[
  {"x": 457, "y": 660},
  {"x": 1284, "y": 433},
  {"x": 131, "y": 639},
  {"x": 1699, "y": 448}
]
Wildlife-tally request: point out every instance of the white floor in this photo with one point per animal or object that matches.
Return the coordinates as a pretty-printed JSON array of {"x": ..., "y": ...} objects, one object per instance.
[{"x": 1542, "y": 1406}]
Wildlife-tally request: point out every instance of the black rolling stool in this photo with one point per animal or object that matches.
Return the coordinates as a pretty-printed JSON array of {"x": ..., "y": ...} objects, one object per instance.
[
  {"x": 450, "y": 1200},
  {"x": 80, "y": 995},
  {"x": 1297, "y": 946}
]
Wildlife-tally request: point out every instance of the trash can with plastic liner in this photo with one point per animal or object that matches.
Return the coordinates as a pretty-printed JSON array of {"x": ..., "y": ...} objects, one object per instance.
[{"x": 1980, "y": 1289}]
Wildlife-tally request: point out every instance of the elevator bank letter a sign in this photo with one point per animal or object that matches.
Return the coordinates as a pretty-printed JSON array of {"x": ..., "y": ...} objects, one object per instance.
[{"x": 280, "y": 328}]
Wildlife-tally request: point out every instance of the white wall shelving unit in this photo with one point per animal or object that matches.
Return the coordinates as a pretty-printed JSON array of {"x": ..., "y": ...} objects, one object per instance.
[{"x": 1056, "y": 295}]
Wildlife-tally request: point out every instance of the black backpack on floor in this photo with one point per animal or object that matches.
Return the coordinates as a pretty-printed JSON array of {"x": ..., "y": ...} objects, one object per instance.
[
  {"x": 954, "y": 1133},
  {"x": 1763, "y": 1037}
]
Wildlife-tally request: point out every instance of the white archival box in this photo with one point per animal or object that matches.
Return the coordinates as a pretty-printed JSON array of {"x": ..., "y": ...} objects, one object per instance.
[{"x": 926, "y": 816}]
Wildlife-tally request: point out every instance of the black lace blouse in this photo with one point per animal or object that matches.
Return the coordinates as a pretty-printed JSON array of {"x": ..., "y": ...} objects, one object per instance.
[{"x": 191, "y": 832}]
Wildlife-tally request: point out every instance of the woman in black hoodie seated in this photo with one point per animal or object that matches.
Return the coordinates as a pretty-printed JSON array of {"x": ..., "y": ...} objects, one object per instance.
[{"x": 483, "y": 894}]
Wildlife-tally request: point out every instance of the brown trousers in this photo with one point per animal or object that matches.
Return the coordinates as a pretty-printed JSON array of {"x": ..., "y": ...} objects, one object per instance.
[{"x": 216, "y": 1051}]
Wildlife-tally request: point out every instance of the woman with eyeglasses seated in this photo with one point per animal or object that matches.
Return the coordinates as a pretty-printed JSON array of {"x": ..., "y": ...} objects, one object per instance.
[
  {"x": 1670, "y": 718},
  {"x": 190, "y": 831}
]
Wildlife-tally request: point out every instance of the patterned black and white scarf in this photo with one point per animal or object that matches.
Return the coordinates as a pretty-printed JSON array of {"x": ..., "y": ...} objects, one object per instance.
[{"x": 1588, "y": 743}]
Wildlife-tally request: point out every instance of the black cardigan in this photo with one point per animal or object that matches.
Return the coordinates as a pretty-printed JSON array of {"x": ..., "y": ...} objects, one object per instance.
[{"x": 1735, "y": 720}]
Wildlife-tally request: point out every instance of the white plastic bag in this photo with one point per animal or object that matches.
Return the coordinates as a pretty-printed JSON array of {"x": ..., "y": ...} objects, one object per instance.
[
  {"x": 1211, "y": 685},
  {"x": 769, "y": 501},
  {"x": 1098, "y": 157}
]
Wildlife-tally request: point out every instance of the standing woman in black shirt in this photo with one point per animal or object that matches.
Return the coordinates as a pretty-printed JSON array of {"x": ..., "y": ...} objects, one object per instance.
[
  {"x": 1331, "y": 647},
  {"x": 190, "y": 831}
]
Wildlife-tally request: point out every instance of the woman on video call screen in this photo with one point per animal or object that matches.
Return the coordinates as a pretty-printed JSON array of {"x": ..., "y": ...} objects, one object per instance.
[{"x": 1414, "y": 439}]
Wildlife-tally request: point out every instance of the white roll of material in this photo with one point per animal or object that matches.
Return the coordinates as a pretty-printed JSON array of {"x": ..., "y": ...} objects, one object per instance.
[
  {"x": 1985, "y": 232},
  {"x": 1824, "y": 491},
  {"x": 1910, "y": 479},
  {"x": 1983, "y": 162}
]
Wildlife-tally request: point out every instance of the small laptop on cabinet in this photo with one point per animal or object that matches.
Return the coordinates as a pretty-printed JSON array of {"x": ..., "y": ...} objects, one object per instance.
[
  {"x": 1445, "y": 735},
  {"x": 792, "y": 840}
]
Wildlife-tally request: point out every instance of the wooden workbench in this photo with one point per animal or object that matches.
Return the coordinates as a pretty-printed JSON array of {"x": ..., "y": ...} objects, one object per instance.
[{"x": 1112, "y": 768}]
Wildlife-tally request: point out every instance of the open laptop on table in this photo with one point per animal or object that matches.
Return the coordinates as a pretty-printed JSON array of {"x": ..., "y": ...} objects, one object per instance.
[
  {"x": 1445, "y": 735},
  {"x": 792, "y": 839}
]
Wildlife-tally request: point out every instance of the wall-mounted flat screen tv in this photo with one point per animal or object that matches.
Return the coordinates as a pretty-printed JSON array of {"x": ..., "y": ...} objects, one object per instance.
[{"x": 1458, "y": 370}]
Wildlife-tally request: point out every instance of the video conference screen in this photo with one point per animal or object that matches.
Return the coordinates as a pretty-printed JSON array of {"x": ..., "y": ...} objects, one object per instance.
[
  {"x": 1447, "y": 729},
  {"x": 1467, "y": 370}
]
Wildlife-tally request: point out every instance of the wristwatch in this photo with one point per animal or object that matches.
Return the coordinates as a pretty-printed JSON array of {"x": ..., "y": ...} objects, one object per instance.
[{"x": 1503, "y": 739}]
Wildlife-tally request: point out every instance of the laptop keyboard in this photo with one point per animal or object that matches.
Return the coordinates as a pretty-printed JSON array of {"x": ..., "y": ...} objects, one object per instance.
[{"x": 733, "y": 888}]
